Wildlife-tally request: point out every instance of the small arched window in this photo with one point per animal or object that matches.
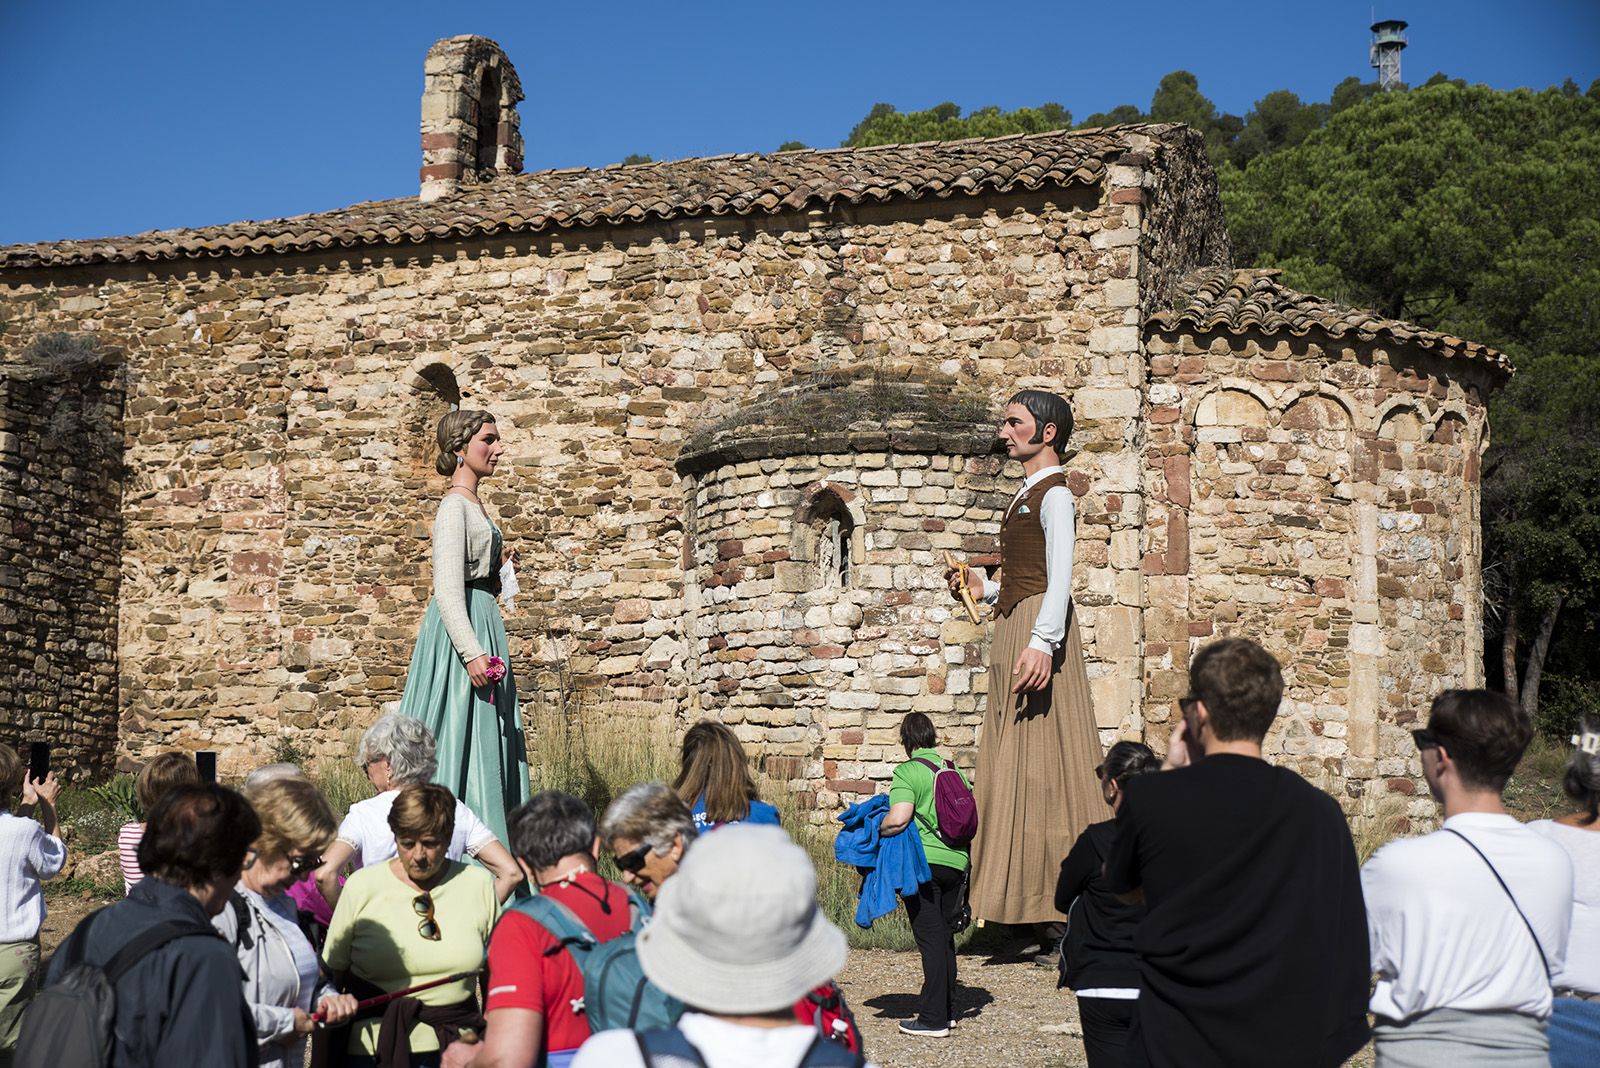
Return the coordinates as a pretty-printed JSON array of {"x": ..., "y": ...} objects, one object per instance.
[
  {"x": 488, "y": 121},
  {"x": 830, "y": 536},
  {"x": 434, "y": 392}
]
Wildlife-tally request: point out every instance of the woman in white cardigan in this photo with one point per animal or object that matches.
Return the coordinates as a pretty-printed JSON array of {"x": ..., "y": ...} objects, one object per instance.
[
  {"x": 460, "y": 684},
  {"x": 283, "y": 983}
]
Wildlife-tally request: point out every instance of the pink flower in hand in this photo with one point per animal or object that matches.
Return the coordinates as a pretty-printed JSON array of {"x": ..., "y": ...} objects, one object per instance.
[{"x": 496, "y": 669}]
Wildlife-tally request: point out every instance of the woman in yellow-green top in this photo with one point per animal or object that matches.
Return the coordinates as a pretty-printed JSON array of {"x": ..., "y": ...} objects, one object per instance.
[
  {"x": 934, "y": 908},
  {"x": 410, "y": 920}
]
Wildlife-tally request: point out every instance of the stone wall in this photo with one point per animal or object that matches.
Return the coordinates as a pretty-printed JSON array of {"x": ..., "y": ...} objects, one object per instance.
[
  {"x": 60, "y": 548},
  {"x": 1322, "y": 499},
  {"x": 278, "y": 434}
]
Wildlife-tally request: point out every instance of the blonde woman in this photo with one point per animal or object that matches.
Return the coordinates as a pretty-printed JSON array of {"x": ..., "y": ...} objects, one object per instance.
[
  {"x": 454, "y": 685},
  {"x": 282, "y": 978}
]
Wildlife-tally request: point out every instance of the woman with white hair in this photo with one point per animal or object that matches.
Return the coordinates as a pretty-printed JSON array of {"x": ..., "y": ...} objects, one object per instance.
[
  {"x": 648, "y": 828},
  {"x": 398, "y": 751}
]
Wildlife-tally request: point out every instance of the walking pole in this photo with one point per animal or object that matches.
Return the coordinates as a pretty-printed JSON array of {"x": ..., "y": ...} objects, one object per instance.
[{"x": 384, "y": 999}]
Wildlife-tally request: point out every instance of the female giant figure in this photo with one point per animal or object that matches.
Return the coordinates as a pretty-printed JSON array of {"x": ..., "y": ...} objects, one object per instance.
[{"x": 451, "y": 685}]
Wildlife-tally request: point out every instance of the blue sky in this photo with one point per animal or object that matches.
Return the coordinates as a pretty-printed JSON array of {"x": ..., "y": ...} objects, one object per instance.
[{"x": 122, "y": 117}]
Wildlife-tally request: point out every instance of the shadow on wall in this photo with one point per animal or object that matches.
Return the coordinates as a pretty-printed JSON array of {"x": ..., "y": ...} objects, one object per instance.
[{"x": 61, "y": 482}]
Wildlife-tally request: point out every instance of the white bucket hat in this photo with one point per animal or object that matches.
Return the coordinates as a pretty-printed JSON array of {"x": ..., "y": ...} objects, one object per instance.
[{"x": 737, "y": 929}]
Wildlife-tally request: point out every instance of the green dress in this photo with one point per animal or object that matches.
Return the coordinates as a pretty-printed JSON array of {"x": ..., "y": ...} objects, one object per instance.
[{"x": 482, "y": 757}]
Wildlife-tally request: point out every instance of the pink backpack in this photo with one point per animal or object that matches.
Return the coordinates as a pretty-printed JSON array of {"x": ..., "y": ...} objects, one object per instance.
[{"x": 953, "y": 805}]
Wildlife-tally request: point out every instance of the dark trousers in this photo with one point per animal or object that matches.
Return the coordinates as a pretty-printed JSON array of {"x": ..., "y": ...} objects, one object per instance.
[
  {"x": 1105, "y": 1030},
  {"x": 933, "y": 915}
]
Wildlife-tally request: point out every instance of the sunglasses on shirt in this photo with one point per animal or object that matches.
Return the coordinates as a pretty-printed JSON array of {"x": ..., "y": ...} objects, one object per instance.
[{"x": 428, "y": 927}]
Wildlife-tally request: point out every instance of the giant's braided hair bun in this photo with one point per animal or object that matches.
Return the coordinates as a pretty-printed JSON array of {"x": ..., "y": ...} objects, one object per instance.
[{"x": 455, "y": 430}]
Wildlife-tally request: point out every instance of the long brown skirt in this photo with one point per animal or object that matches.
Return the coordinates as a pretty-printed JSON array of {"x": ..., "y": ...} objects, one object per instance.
[{"x": 1036, "y": 787}]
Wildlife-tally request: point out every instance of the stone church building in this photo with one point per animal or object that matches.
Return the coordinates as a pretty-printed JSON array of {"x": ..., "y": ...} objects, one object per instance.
[{"x": 749, "y": 403}]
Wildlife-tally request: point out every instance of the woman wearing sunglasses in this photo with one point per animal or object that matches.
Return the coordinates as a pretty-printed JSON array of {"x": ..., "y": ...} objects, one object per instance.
[
  {"x": 408, "y": 921},
  {"x": 647, "y": 830},
  {"x": 282, "y": 980}
]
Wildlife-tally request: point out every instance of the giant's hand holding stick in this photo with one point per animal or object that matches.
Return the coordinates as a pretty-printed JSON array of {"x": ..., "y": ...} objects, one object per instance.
[{"x": 959, "y": 570}]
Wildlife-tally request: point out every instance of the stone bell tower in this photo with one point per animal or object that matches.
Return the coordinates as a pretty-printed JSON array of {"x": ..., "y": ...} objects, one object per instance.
[{"x": 470, "y": 132}]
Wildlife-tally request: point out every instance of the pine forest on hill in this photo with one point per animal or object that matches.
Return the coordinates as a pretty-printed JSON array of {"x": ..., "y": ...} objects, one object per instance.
[{"x": 1466, "y": 209}]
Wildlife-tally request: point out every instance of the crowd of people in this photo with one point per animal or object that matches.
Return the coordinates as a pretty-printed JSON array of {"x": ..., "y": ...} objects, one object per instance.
[{"x": 1218, "y": 917}]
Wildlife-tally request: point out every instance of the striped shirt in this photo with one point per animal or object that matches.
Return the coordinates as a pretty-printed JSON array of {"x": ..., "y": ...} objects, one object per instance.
[{"x": 128, "y": 854}]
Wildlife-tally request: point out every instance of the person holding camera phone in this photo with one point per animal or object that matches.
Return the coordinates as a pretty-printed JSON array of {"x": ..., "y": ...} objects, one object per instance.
[
  {"x": 1253, "y": 951},
  {"x": 935, "y": 911},
  {"x": 34, "y": 855}
]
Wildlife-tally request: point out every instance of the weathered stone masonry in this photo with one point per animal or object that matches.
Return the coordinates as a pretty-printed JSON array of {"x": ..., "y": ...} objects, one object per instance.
[
  {"x": 642, "y": 334},
  {"x": 60, "y": 525}
]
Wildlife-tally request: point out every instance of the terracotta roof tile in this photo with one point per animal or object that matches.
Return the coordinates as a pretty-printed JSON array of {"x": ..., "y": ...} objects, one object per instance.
[
  {"x": 1232, "y": 301},
  {"x": 715, "y": 185}
]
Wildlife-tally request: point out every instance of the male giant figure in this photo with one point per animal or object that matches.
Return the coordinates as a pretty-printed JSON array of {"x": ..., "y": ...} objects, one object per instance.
[{"x": 1036, "y": 787}]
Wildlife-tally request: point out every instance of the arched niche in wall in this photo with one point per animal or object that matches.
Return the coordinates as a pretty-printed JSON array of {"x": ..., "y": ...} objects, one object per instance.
[
  {"x": 434, "y": 392},
  {"x": 829, "y": 537},
  {"x": 1403, "y": 423},
  {"x": 1318, "y": 419},
  {"x": 1231, "y": 408},
  {"x": 1451, "y": 429}
]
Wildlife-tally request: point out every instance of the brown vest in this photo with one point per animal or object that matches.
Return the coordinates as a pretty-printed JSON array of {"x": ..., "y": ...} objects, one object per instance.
[{"x": 1022, "y": 548}]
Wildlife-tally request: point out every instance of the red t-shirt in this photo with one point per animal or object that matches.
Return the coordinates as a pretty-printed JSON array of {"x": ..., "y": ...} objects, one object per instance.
[{"x": 522, "y": 977}]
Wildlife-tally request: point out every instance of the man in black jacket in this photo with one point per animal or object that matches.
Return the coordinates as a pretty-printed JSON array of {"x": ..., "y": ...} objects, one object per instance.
[
  {"x": 1254, "y": 948},
  {"x": 182, "y": 1005}
]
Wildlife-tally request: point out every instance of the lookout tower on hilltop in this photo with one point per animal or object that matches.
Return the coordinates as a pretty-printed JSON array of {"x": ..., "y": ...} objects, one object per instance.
[{"x": 1388, "y": 41}]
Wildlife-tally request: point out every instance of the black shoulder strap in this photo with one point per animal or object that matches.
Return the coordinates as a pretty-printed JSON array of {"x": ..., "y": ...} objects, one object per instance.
[
  {"x": 1511, "y": 897},
  {"x": 667, "y": 1043},
  {"x": 241, "y": 918},
  {"x": 825, "y": 1053},
  {"x": 148, "y": 941}
]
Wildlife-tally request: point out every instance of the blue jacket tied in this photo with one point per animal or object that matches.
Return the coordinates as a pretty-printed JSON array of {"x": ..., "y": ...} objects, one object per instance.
[{"x": 893, "y": 865}]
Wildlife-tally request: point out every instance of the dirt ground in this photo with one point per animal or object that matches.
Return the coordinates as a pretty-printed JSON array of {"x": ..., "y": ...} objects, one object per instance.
[
  {"x": 1004, "y": 1003},
  {"x": 1010, "y": 1013}
]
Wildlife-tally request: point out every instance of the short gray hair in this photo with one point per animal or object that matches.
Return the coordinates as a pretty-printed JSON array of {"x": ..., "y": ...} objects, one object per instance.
[
  {"x": 652, "y": 813},
  {"x": 270, "y": 773},
  {"x": 405, "y": 743}
]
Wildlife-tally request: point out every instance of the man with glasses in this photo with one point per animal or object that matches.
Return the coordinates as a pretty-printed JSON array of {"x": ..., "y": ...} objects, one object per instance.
[
  {"x": 1467, "y": 923},
  {"x": 535, "y": 1001},
  {"x": 1253, "y": 950}
]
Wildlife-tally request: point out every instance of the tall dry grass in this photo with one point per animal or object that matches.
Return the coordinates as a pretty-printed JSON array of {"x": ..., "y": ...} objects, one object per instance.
[
  {"x": 596, "y": 754},
  {"x": 1387, "y": 820}
]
